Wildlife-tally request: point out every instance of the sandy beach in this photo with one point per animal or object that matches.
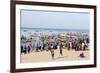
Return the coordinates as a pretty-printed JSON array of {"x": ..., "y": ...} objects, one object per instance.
[{"x": 45, "y": 56}]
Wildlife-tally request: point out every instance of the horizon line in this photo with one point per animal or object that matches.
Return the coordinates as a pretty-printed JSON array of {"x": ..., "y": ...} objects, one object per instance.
[{"x": 53, "y": 28}]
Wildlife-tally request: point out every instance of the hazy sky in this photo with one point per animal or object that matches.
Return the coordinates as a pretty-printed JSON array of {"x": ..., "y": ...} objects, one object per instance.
[{"x": 58, "y": 20}]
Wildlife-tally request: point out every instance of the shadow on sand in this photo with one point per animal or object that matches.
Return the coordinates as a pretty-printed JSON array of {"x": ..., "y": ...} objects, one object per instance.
[{"x": 60, "y": 57}]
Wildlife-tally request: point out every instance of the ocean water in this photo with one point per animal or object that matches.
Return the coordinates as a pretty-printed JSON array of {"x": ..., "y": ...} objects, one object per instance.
[{"x": 49, "y": 31}]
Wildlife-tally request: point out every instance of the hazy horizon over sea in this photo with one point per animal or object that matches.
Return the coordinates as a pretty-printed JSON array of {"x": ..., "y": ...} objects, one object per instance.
[
  {"x": 51, "y": 30},
  {"x": 55, "y": 29}
]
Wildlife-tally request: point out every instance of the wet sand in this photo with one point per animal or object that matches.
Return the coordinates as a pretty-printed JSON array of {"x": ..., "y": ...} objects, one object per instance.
[{"x": 45, "y": 56}]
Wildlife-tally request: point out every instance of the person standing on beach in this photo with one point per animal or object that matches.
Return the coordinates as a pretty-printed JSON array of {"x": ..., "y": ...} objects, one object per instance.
[
  {"x": 69, "y": 45},
  {"x": 85, "y": 44},
  {"x": 25, "y": 49},
  {"x": 58, "y": 47},
  {"x": 29, "y": 48},
  {"x": 82, "y": 45},
  {"x": 50, "y": 48},
  {"x": 61, "y": 46},
  {"x": 52, "y": 51},
  {"x": 37, "y": 47}
]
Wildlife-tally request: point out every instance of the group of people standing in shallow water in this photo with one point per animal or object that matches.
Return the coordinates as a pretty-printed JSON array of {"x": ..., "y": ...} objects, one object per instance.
[{"x": 40, "y": 44}]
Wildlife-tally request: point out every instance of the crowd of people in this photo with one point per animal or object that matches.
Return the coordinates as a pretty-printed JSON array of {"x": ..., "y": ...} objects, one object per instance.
[{"x": 53, "y": 42}]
